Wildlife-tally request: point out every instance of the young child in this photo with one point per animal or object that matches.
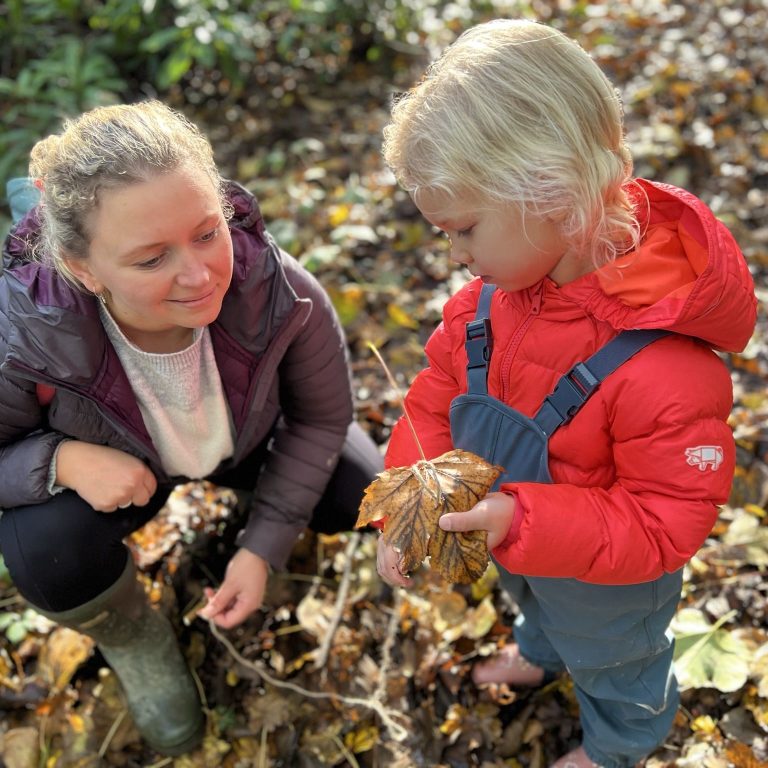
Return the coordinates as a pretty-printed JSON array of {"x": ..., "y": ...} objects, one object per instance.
[
  {"x": 512, "y": 144},
  {"x": 181, "y": 344}
]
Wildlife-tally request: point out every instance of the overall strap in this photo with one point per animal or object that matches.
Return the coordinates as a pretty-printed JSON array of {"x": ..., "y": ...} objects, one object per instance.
[
  {"x": 479, "y": 344},
  {"x": 576, "y": 387}
]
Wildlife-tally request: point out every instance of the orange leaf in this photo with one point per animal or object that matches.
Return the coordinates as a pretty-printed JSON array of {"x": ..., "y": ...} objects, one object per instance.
[{"x": 413, "y": 500}]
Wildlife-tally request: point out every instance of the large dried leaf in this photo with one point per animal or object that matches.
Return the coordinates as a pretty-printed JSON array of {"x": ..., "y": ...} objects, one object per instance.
[{"x": 414, "y": 498}]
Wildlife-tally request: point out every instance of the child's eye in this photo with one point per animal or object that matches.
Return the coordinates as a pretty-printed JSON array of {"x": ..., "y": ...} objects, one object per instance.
[{"x": 465, "y": 232}]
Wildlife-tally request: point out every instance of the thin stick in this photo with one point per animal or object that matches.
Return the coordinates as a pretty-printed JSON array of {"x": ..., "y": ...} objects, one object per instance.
[
  {"x": 397, "y": 731},
  {"x": 386, "y": 648},
  {"x": 321, "y": 655},
  {"x": 111, "y": 733},
  {"x": 393, "y": 383}
]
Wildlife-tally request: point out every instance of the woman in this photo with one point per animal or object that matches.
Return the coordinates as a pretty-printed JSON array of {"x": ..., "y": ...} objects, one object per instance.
[{"x": 180, "y": 343}]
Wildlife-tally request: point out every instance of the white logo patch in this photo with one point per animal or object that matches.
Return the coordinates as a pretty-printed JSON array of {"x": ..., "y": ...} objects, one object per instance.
[{"x": 705, "y": 456}]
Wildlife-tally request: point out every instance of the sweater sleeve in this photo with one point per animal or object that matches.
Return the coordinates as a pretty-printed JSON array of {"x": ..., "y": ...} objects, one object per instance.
[
  {"x": 316, "y": 406},
  {"x": 673, "y": 458}
]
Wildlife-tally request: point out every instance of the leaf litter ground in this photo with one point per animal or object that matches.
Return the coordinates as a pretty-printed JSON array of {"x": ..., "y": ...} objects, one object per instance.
[{"x": 380, "y": 677}]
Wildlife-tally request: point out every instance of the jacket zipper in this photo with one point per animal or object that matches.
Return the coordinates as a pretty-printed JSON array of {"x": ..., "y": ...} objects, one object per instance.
[{"x": 517, "y": 339}]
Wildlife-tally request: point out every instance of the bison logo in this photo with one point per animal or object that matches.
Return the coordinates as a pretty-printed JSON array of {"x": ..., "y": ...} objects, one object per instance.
[{"x": 705, "y": 456}]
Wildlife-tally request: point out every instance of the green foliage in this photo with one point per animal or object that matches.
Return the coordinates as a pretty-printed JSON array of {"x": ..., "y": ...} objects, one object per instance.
[
  {"x": 62, "y": 57},
  {"x": 17, "y": 626}
]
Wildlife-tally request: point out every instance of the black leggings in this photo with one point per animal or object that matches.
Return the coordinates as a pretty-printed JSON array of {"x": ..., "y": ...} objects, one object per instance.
[{"x": 62, "y": 553}]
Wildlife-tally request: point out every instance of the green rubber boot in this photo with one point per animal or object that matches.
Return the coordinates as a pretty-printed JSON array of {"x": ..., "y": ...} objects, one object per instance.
[{"x": 141, "y": 647}]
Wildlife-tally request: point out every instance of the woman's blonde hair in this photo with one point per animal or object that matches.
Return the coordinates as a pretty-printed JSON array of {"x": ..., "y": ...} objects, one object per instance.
[
  {"x": 516, "y": 112},
  {"x": 105, "y": 148}
]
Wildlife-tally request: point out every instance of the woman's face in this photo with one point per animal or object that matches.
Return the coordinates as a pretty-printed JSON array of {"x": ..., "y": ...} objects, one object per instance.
[{"x": 161, "y": 254}]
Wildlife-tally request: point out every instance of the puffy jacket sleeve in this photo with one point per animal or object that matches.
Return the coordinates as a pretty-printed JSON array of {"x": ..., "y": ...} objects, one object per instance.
[
  {"x": 316, "y": 403},
  {"x": 674, "y": 456},
  {"x": 25, "y": 449}
]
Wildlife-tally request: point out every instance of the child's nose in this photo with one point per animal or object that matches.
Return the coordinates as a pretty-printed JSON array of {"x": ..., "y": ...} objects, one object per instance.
[{"x": 460, "y": 255}]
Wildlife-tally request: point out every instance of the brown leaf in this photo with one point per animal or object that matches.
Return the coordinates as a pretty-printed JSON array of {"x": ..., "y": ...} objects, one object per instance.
[
  {"x": 64, "y": 651},
  {"x": 413, "y": 500}
]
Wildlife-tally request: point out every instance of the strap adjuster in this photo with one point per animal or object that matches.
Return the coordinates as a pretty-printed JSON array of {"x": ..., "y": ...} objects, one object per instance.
[
  {"x": 572, "y": 391},
  {"x": 479, "y": 343}
]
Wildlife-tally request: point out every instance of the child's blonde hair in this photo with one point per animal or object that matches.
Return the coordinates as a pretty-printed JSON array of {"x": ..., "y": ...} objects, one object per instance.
[
  {"x": 105, "y": 148},
  {"x": 516, "y": 112}
]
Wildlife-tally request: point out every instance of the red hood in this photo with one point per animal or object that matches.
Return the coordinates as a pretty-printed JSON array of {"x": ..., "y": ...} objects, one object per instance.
[{"x": 688, "y": 275}]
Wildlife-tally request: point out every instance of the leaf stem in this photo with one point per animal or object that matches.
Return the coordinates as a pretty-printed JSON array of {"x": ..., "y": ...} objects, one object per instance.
[{"x": 393, "y": 383}]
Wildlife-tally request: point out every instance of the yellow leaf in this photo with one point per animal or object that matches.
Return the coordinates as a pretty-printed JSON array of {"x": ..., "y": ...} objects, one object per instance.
[
  {"x": 362, "y": 739},
  {"x": 453, "y": 719},
  {"x": 232, "y": 678},
  {"x": 414, "y": 498},
  {"x": 338, "y": 214},
  {"x": 485, "y": 584},
  {"x": 755, "y": 510},
  {"x": 401, "y": 317},
  {"x": 704, "y": 724},
  {"x": 76, "y": 722},
  {"x": 348, "y": 301}
]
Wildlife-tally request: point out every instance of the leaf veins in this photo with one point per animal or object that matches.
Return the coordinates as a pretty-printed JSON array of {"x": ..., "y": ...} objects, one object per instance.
[{"x": 412, "y": 499}]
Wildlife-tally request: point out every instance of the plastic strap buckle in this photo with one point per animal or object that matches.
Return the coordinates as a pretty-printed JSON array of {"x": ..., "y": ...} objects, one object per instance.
[
  {"x": 572, "y": 391},
  {"x": 479, "y": 343}
]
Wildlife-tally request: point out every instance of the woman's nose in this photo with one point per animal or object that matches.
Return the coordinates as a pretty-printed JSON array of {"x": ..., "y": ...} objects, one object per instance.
[{"x": 194, "y": 272}]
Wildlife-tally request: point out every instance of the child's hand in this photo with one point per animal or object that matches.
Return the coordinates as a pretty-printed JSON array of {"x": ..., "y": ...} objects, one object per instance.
[
  {"x": 388, "y": 565},
  {"x": 494, "y": 514}
]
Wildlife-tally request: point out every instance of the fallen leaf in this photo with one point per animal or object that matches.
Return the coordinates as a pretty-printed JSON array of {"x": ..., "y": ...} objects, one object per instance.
[
  {"x": 20, "y": 748},
  {"x": 741, "y": 755},
  {"x": 414, "y": 498},
  {"x": 707, "y": 656},
  {"x": 64, "y": 651}
]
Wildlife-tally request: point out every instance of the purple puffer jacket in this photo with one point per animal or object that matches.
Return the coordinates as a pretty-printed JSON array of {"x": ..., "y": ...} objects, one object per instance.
[{"x": 280, "y": 352}]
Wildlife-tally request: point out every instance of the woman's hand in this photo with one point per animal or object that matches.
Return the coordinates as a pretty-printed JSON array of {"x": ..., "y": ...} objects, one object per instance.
[
  {"x": 494, "y": 514},
  {"x": 241, "y": 593},
  {"x": 388, "y": 565},
  {"x": 108, "y": 479}
]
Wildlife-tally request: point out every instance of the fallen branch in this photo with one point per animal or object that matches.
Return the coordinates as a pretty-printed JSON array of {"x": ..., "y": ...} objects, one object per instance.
[
  {"x": 386, "y": 648},
  {"x": 321, "y": 654},
  {"x": 396, "y": 731}
]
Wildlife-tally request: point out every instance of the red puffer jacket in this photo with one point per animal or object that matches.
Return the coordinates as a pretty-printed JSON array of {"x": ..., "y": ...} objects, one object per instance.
[{"x": 639, "y": 471}]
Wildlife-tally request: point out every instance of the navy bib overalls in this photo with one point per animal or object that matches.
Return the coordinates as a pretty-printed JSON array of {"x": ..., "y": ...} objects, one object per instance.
[{"x": 613, "y": 640}]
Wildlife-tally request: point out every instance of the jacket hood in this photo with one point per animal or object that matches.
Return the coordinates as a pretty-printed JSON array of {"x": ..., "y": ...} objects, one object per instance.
[{"x": 688, "y": 275}]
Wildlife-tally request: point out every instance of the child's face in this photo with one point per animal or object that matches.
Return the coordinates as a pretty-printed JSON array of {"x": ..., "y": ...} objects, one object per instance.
[
  {"x": 162, "y": 251},
  {"x": 498, "y": 243}
]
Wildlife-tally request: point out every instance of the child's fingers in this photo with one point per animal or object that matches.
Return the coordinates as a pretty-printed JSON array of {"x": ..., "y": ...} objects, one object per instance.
[{"x": 475, "y": 519}]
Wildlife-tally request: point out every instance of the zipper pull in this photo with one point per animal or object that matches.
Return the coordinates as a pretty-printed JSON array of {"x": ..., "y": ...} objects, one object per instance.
[{"x": 536, "y": 299}]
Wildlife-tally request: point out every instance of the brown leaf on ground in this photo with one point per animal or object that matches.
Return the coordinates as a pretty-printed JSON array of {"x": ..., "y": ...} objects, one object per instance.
[{"x": 414, "y": 498}]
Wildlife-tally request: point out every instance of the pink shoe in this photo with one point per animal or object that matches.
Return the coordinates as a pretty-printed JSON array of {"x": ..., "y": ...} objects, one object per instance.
[
  {"x": 576, "y": 758},
  {"x": 508, "y": 666}
]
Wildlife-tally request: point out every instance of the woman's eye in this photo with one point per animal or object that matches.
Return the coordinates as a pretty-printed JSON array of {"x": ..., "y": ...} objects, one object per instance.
[
  {"x": 150, "y": 263},
  {"x": 208, "y": 236}
]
